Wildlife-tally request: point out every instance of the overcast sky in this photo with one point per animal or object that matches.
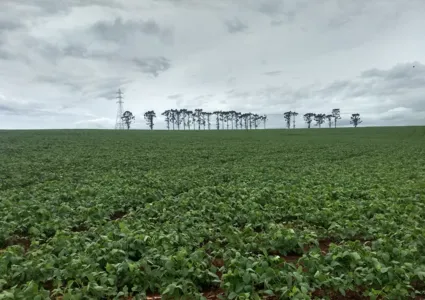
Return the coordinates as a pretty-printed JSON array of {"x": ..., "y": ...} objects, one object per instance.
[{"x": 61, "y": 62}]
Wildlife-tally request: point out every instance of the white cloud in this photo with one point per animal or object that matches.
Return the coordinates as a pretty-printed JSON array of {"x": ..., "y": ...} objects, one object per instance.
[{"x": 61, "y": 65}]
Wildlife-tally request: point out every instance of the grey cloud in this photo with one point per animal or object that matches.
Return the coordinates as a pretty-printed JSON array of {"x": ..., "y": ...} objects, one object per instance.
[
  {"x": 271, "y": 7},
  {"x": 175, "y": 96},
  {"x": 389, "y": 94},
  {"x": 179, "y": 102},
  {"x": 412, "y": 70},
  {"x": 235, "y": 25},
  {"x": 50, "y": 7},
  {"x": 5, "y": 55},
  {"x": 276, "y": 22},
  {"x": 273, "y": 73},
  {"x": 281, "y": 11},
  {"x": 7, "y": 27},
  {"x": 119, "y": 30},
  {"x": 8, "y": 109},
  {"x": 86, "y": 88},
  {"x": 347, "y": 11},
  {"x": 72, "y": 84},
  {"x": 152, "y": 65},
  {"x": 10, "y": 25},
  {"x": 105, "y": 88},
  {"x": 75, "y": 51},
  {"x": 15, "y": 108},
  {"x": 231, "y": 81},
  {"x": 266, "y": 97},
  {"x": 196, "y": 102}
]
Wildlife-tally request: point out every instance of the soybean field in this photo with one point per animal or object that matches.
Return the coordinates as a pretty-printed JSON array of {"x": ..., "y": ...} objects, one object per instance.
[{"x": 232, "y": 214}]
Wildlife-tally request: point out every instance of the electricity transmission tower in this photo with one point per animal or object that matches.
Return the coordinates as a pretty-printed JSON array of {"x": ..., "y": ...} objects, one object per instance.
[{"x": 119, "y": 123}]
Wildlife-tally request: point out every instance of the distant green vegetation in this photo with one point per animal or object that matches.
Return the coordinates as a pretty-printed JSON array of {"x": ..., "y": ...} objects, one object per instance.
[{"x": 289, "y": 214}]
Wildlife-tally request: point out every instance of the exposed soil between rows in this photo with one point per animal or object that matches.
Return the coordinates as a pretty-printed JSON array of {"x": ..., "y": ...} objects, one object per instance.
[
  {"x": 323, "y": 245},
  {"x": 23, "y": 241},
  {"x": 215, "y": 293},
  {"x": 79, "y": 228},
  {"x": 334, "y": 295},
  {"x": 117, "y": 215}
]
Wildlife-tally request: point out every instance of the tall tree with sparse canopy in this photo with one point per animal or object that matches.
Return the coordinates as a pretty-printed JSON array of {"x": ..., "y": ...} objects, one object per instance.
[
  {"x": 287, "y": 116},
  {"x": 336, "y": 115},
  {"x": 177, "y": 117},
  {"x": 217, "y": 114},
  {"x": 208, "y": 119},
  {"x": 198, "y": 115},
  {"x": 189, "y": 116},
  {"x": 320, "y": 119},
  {"x": 294, "y": 114},
  {"x": 128, "y": 118},
  {"x": 149, "y": 116},
  {"x": 308, "y": 118},
  {"x": 355, "y": 119},
  {"x": 183, "y": 113},
  {"x": 167, "y": 115},
  {"x": 329, "y": 117},
  {"x": 264, "y": 119}
]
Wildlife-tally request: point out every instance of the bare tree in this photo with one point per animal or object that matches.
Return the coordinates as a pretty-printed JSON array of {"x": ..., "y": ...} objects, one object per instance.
[
  {"x": 336, "y": 115},
  {"x": 128, "y": 118},
  {"x": 355, "y": 119}
]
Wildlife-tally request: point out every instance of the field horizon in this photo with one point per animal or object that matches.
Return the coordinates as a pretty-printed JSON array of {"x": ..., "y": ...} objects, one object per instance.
[{"x": 324, "y": 126}]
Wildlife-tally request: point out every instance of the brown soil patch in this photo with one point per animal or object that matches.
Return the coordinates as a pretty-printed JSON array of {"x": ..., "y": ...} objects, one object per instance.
[
  {"x": 79, "y": 228},
  {"x": 213, "y": 295},
  {"x": 117, "y": 215},
  {"x": 210, "y": 295},
  {"x": 19, "y": 240},
  {"x": 333, "y": 295},
  {"x": 218, "y": 262},
  {"x": 324, "y": 245},
  {"x": 48, "y": 285}
]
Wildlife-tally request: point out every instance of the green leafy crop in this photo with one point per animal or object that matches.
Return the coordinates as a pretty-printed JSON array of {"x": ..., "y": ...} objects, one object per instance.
[{"x": 267, "y": 214}]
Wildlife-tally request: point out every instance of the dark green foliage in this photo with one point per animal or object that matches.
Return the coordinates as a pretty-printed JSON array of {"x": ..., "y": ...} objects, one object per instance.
[{"x": 104, "y": 214}]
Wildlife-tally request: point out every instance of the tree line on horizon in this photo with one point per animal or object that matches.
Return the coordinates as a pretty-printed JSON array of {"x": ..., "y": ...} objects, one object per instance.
[{"x": 187, "y": 119}]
